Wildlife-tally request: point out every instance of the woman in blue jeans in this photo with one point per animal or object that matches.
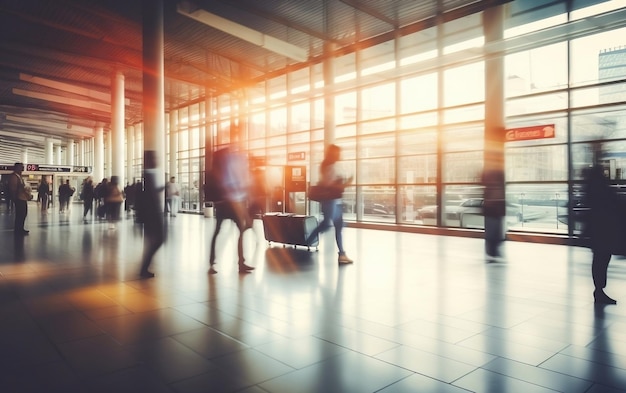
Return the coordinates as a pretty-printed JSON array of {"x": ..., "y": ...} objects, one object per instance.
[{"x": 332, "y": 209}]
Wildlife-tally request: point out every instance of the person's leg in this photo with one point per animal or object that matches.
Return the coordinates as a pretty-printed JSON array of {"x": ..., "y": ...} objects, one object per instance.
[
  {"x": 337, "y": 216},
  {"x": 243, "y": 268},
  {"x": 338, "y": 223},
  {"x": 152, "y": 242},
  {"x": 21, "y": 210},
  {"x": 168, "y": 205},
  {"x": 493, "y": 236},
  {"x": 174, "y": 205},
  {"x": 599, "y": 268},
  {"x": 218, "y": 226},
  {"x": 327, "y": 211}
]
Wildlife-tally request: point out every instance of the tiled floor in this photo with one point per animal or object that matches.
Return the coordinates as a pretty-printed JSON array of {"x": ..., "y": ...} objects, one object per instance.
[{"x": 415, "y": 313}]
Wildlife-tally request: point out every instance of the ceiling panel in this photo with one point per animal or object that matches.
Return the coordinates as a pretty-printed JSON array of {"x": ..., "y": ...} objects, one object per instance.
[{"x": 82, "y": 43}]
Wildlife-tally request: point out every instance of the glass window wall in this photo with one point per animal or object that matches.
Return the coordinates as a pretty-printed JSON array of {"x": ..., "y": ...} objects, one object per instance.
[{"x": 415, "y": 162}]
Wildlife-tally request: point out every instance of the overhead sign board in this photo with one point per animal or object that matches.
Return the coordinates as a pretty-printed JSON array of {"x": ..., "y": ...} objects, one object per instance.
[
  {"x": 296, "y": 156},
  {"x": 49, "y": 168},
  {"x": 81, "y": 169},
  {"x": 533, "y": 132}
]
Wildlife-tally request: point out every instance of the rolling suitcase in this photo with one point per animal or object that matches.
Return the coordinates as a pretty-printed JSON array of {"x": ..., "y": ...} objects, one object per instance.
[{"x": 292, "y": 229}]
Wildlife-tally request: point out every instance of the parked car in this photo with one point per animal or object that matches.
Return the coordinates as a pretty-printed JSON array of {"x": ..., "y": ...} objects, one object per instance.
[
  {"x": 469, "y": 213},
  {"x": 429, "y": 213},
  {"x": 376, "y": 208}
]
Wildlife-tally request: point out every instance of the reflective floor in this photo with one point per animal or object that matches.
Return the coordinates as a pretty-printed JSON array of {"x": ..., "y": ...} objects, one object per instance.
[{"x": 414, "y": 313}]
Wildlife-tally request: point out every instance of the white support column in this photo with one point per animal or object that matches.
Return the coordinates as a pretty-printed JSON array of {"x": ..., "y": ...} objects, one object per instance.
[
  {"x": 173, "y": 164},
  {"x": 109, "y": 154},
  {"x": 57, "y": 155},
  {"x": 153, "y": 85},
  {"x": 139, "y": 144},
  {"x": 69, "y": 153},
  {"x": 130, "y": 154},
  {"x": 49, "y": 152},
  {"x": 98, "y": 155},
  {"x": 25, "y": 155},
  {"x": 80, "y": 159},
  {"x": 117, "y": 127},
  {"x": 329, "y": 94}
]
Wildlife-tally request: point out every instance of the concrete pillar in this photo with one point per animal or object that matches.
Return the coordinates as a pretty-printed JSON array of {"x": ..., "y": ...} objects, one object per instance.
[
  {"x": 49, "y": 152},
  {"x": 57, "y": 155},
  {"x": 153, "y": 84},
  {"x": 130, "y": 153},
  {"x": 173, "y": 164},
  {"x": 117, "y": 127},
  {"x": 69, "y": 153},
  {"x": 80, "y": 159},
  {"x": 98, "y": 155},
  {"x": 493, "y": 22},
  {"x": 329, "y": 94},
  {"x": 109, "y": 155}
]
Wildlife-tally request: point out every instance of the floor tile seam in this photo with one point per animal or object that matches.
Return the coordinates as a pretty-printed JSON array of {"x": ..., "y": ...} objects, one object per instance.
[
  {"x": 425, "y": 376},
  {"x": 474, "y": 367},
  {"x": 590, "y": 360},
  {"x": 526, "y": 381},
  {"x": 517, "y": 344},
  {"x": 564, "y": 344},
  {"x": 227, "y": 369},
  {"x": 612, "y": 366}
]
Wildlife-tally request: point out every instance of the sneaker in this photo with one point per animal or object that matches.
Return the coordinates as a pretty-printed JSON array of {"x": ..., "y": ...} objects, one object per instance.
[{"x": 343, "y": 259}]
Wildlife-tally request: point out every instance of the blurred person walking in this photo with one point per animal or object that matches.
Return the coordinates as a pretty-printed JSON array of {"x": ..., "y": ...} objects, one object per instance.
[
  {"x": 604, "y": 226},
  {"x": 332, "y": 209},
  {"x": 150, "y": 212},
  {"x": 228, "y": 188},
  {"x": 113, "y": 199},
  {"x": 172, "y": 197},
  {"x": 65, "y": 194},
  {"x": 87, "y": 195},
  {"x": 19, "y": 194},
  {"x": 43, "y": 191},
  {"x": 494, "y": 205}
]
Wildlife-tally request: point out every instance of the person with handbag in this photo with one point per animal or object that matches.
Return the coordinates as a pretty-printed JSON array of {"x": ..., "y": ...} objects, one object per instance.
[{"x": 332, "y": 208}]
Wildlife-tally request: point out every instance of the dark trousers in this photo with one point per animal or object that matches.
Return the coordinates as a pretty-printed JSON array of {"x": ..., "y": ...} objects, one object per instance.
[
  {"x": 87, "y": 207},
  {"x": 21, "y": 210},
  {"x": 599, "y": 268},
  {"x": 154, "y": 237},
  {"x": 237, "y": 212},
  {"x": 494, "y": 235}
]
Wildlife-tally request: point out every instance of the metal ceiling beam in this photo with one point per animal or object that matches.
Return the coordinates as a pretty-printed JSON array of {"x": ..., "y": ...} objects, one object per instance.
[
  {"x": 65, "y": 127},
  {"x": 371, "y": 12},
  {"x": 96, "y": 106},
  {"x": 242, "y": 32},
  {"x": 282, "y": 21},
  {"x": 22, "y": 136},
  {"x": 96, "y": 95}
]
